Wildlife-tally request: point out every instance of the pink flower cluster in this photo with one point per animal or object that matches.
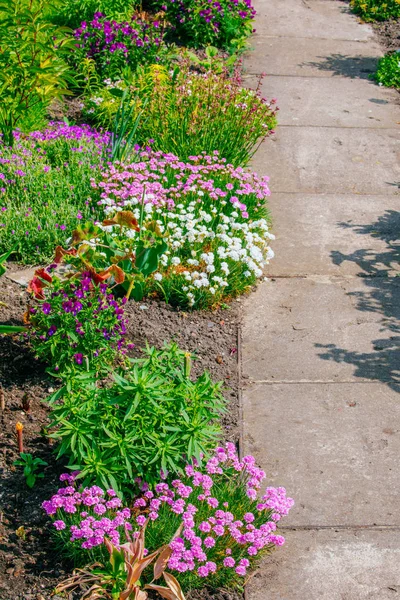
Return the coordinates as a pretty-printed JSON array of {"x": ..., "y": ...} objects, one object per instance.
[
  {"x": 224, "y": 526},
  {"x": 165, "y": 181},
  {"x": 99, "y": 514},
  {"x": 237, "y": 537}
]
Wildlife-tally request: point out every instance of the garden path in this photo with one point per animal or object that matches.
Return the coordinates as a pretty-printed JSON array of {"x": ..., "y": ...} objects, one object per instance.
[{"x": 320, "y": 353}]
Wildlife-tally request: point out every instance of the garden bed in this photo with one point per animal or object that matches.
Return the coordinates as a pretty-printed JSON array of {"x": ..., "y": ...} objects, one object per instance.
[
  {"x": 388, "y": 33},
  {"x": 29, "y": 568}
]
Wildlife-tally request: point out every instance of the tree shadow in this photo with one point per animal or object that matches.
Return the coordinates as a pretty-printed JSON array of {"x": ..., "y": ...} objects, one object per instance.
[
  {"x": 343, "y": 65},
  {"x": 381, "y": 296}
]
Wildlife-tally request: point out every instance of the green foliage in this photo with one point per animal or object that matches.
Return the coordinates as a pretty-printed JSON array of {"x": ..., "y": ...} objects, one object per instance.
[
  {"x": 127, "y": 261},
  {"x": 31, "y": 466},
  {"x": 197, "y": 23},
  {"x": 44, "y": 183},
  {"x": 186, "y": 113},
  {"x": 123, "y": 133},
  {"x": 32, "y": 67},
  {"x": 149, "y": 420},
  {"x": 75, "y": 324},
  {"x": 376, "y": 10},
  {"x": 72, "y": 12},
  {"x": 388, "y": 71}
]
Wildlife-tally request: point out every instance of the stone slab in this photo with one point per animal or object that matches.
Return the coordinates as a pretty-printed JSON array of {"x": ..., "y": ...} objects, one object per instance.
[
  {"x": 331, "y": 102},
  {"x": 329, "y": 19},
  {"x": 330, "y": 159},
  {"x": 336, "y": 235},
  {"x": 22, "y": 276},
  {"x": 330, "y": 447},
  {"x": 331, "y": 565},
  {"x": 323, "y": 329},
  {"x": 312, "y": 57}
]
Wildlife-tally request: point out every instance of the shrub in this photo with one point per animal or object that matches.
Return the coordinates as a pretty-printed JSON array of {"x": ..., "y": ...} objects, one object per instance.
[
  {"x": 113, "y": 46},
  {"x": 376, "y": 10},
  {"x": 388, "y": 71},
  {"x": 32, "y": 67},
  {"x": 76, "y": 324},
  {"x": 197, "y": 23},
  {"x": 43, "y": 183},
  {"x": 186, "y": 113},
  {"x": 224, "y": 529},
  {"x": 212, "y": 217},
  {"x": 149, "y": 420},
  {"x": 73, "y": 12}
]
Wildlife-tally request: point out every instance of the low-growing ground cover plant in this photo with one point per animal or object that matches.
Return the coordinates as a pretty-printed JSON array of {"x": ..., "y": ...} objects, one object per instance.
[
  {"x": 224, "y": 528},
  {"x": 213, "y": 218},
  {"x": 76, "y": 324},
  {"x": 114, "y": 45},
  {"x": 198, "y": 23},
  {"x": 388, "y": 71},
  {"x": 148, "y": 421},
  {"x": 376, "y": 10},
  {"x": 187, "y": 112},
  {"x": 44, "y": 188}
]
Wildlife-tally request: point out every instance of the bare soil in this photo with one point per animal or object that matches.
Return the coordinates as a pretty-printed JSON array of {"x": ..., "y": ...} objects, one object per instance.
[{"x": 29, "y": 567}]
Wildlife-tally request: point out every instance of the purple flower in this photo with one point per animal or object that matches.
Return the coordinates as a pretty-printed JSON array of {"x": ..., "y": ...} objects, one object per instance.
[
  {"x": 46, "y": 308},
  {"x": 78, "y": 358}
]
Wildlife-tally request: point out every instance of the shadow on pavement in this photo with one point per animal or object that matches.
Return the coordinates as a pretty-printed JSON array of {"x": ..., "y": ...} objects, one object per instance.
[
  {"x": 381, "y": 296},
  {"x": 355, "y": 67}
]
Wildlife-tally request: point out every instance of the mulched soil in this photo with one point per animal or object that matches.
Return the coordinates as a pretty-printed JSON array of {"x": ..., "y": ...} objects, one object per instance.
[
  {"x": 388, "y": 34},
  {"x": 29, "y": 566}
]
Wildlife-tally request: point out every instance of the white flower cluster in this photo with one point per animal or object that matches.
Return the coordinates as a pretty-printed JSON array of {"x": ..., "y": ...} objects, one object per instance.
[{"x": 210, "y": 252}]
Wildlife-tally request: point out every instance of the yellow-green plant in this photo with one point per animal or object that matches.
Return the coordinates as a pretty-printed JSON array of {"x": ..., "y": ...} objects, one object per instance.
[
  {"x": 376, "y": 10},
  {"x": 32, "y": 67}
]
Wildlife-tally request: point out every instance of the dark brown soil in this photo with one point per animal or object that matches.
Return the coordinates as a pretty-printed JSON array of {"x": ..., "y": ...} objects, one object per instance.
[
  {"x": 388, "y": 34},
  {"x": 29, "y": 567}
]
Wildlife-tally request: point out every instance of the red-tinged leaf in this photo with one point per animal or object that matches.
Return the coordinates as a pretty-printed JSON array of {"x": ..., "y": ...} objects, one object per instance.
[
  {"x": 163, "y": 591},
  {"x": 173, "y": 584},
  {"x": 140, "y": 565},
  {"x": 162, "y": 561},
  {"x": 43, "y": 274},
  {"x": 60, "y": 253},
  {"x": 36, "y": 287},
  {"x": 118, "y": 274},
  {"x": 140, "y": 594},
  {"x": 124, "y": 218}
]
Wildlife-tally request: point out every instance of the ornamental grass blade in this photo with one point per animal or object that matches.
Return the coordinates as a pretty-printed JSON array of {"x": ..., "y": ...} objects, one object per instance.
[
  {"x": 162, "y": 561},
  {"x": 163, "y": 591},
  {"x": 140, "y": 565},
  {"x": 173, "y": 584}
]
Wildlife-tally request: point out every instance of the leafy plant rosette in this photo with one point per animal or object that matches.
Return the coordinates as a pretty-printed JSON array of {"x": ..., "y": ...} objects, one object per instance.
[
  {"x": 75, "y": 324},
  {"x": 226, "y": 23},
  {"x": 152, "y": 418},
  {"x": 225, "y": 528},
  {"x": 205, "y": 220}
]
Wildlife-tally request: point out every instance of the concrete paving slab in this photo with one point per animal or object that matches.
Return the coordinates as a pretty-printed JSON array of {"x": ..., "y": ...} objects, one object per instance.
[
  {"x": 312, "y": 57},
  {"x": 328, "y": 102},
  {"x": 323, "y": 329},
  {"x": 331, "y": 448},
  {"x": 330, "y": 159},
  {"x": 331, "y": 565},
  {"x": 309, "y": 19},
  {"x": 330, "y": 234}
]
